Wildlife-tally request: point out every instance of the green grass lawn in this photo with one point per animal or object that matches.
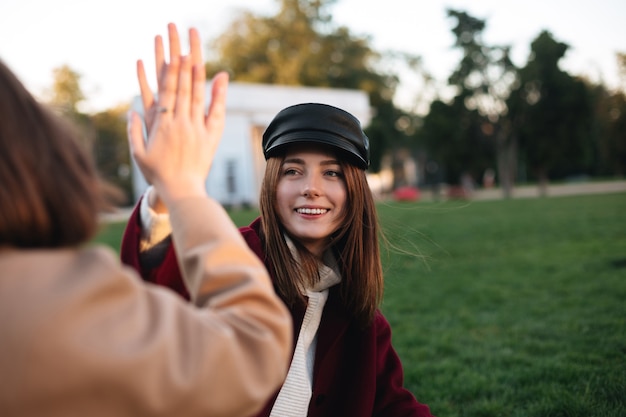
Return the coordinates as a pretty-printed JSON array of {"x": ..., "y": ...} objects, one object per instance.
[{"x": 507, "y": 307}]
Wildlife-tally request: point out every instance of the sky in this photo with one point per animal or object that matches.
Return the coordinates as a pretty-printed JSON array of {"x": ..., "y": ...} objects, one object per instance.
[{"x": 102, "y": 40}]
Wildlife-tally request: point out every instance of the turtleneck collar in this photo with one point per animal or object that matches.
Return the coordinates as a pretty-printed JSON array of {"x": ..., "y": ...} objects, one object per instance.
[{"x": 328, "y": 269}]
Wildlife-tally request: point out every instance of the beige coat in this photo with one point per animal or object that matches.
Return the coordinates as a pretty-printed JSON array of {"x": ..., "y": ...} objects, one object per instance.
[{"x": 81, "y": 335}]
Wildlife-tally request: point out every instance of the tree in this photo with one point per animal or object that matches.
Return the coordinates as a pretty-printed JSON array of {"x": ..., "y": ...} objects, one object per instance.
[
  {"x": 555, "y": 110},
  {"x": 111, "y": 150},
  {"x": 484, "y": 78},
  {"x": 617, "y": 123},
  {"x": 621, "y": 69},
  {"x": 103, "y": 134},
  {"x": 66, "y": 93},
  {"x": 302, "y": 46},
  {"x": 65, "y": 96},
  {"x": 609, "y": 124},
  {"x": 453, "y": 135},
  {"x": 616, "y": 134}
]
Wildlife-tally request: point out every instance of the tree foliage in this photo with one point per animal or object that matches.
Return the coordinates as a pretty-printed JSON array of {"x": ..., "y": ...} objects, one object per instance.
[
  {"x": 621, "y": 69},
  {"x": 302, "y": 46},
  {"x": 609, "y": 126},
  {"x": 485, "y": 72},
  {"x": 457, "y": 140},
  {"x": 556, "y": 113},
  {"x": 66, "y": 93},
  {"x": 539, "y": 117},
  {"x": 615, "y": 148},
  {"x": 464, "y": 136},
  {"x": 65, "y": 96},
  {"x": 103, "y": 134},
  {"x": 111, "y": 150}
]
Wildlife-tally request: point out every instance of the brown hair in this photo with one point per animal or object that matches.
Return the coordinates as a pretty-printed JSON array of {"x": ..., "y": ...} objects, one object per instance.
[
  {"x": 49, "y": 188},
  {"x": 355, "y": 246}
]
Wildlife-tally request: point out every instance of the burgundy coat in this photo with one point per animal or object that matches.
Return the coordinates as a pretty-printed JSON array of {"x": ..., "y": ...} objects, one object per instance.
[{"x": 356, "y": 372}]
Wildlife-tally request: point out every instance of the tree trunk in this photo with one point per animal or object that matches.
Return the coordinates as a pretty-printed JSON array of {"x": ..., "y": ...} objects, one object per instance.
[
  {"x": 507, "y": 164},
  {"x": 542, "y": 176}
]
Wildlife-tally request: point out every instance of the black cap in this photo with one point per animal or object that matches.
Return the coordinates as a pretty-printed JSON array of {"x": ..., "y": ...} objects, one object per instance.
[{"x": 319, "y": 124}]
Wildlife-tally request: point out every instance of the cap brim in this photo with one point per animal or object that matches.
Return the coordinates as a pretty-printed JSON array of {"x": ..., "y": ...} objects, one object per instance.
[{"x": 344, "y": 147}]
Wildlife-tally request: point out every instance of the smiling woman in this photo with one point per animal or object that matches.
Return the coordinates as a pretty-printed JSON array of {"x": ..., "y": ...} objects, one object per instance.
[{"x": 318, "y": 236}]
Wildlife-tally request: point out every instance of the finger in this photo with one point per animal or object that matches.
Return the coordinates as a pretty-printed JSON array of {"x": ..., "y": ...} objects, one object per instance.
[
  {"x": 195, "y": 47},
  {"x": 135, "y": 136},
  {"x": 169, "y": 72},
  {"x": 198, "y": 89},
  {"x": 199, "y": 76},
  {"x": 159, "y": 57},
  {"x": 167, "y": 93},
  {"x": 217, "y": 108},
  {"x": 147, "y": 98},
  {"x": 183, "y": 96},
  {"x": 174, "y": 41},
  {"x": 167, "y": 96}
]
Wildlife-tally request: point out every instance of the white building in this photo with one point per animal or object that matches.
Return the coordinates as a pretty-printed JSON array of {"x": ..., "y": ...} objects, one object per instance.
[{"x": 237, "y": 171}]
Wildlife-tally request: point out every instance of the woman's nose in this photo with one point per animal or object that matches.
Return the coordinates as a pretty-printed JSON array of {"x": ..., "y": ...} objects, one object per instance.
[{"x": 311, "y": 187}]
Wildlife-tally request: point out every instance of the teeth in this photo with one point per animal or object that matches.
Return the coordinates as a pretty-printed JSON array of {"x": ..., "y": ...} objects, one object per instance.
[{"x": 311, "y": 211}]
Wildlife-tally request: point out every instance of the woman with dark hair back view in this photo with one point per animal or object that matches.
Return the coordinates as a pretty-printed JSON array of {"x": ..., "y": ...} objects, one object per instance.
[
  {"x": 82, "y": 335},
  {"x": 318, "y": 236}
]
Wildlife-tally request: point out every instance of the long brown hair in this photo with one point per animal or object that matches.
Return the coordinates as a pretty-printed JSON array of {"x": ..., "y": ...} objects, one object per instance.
[
  {"x": 355, "y": 245},
  {"x": 49, "y": 188}
]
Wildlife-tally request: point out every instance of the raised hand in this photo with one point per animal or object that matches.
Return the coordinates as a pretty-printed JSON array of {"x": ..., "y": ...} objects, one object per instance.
[
  {"x": 147, "y": 97},
  {"x": 182, "y": 138}
]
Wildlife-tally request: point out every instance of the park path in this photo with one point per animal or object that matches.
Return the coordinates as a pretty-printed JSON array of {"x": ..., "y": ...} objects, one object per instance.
[{"x": 556, "y": 190}]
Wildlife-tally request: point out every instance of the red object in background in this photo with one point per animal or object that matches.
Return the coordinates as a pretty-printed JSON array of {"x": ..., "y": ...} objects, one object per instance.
[{"x": 406, "y": 194}]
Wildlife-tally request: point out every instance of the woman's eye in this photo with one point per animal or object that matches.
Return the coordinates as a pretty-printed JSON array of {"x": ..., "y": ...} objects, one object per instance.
[
  {"x": 331, "y": 173},
  {"x": 290, "y": 171}
]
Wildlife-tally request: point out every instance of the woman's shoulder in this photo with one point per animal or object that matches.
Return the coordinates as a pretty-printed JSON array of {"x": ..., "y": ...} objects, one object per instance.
[{"x": 380, "y": 323}]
